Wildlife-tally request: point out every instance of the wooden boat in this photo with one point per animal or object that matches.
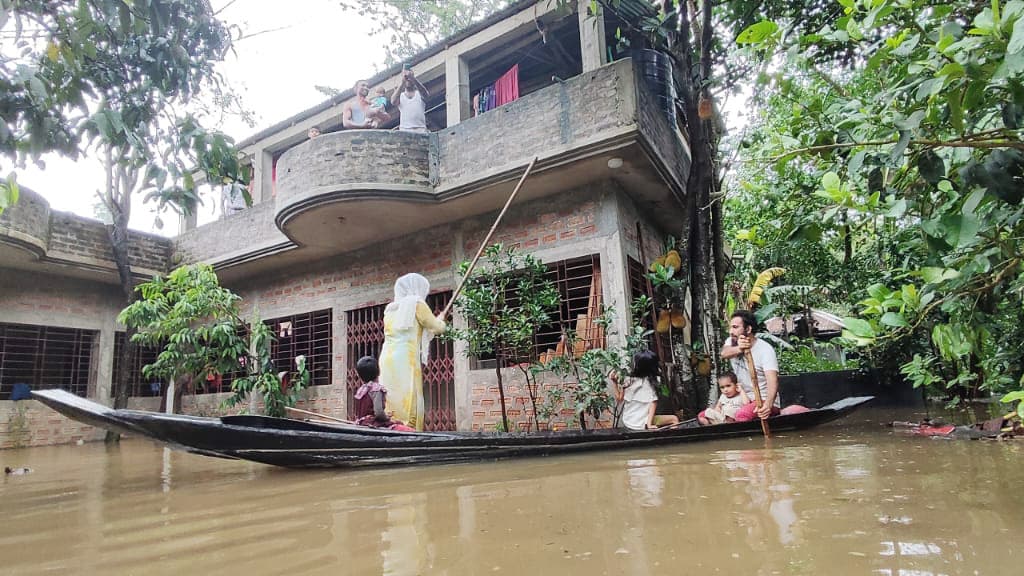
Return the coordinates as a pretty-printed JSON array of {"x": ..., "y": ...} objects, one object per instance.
[{"x": 300, "y": 444}]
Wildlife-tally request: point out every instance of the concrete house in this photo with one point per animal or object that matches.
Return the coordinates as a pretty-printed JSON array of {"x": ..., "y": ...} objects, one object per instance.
[{"x": 337, "y": 218}]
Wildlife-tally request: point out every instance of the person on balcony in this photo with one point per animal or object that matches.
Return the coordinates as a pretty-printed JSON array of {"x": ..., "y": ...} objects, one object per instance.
[
  {"x": 411, "y": 100},
  {"x": 358, "y": 112},
  {"x": 409, "y": 326}
]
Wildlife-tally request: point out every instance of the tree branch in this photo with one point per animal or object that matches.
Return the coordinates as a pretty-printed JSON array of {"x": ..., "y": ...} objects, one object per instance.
[{"x": 969, "y": 141}]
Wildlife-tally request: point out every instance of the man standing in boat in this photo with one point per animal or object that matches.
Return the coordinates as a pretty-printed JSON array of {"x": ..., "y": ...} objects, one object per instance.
[{"x": 766, "y": 365}]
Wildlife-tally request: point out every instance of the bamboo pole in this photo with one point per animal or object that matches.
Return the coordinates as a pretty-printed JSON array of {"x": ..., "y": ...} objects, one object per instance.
[
  {"x": 757, "y": 388},
  {"x": 483, "y": 245},
  {"x": 315, "y": 415}
]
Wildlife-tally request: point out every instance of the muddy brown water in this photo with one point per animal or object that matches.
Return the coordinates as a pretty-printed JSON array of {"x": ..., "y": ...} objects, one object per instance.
[{"x": 849, "y": 498}]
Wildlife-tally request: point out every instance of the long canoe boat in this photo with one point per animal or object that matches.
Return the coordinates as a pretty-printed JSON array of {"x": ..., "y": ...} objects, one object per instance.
[{"x": 301, "y": 444}]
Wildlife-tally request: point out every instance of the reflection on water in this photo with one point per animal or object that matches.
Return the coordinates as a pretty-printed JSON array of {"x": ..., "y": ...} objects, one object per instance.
[{"x": 845, "y": 499}]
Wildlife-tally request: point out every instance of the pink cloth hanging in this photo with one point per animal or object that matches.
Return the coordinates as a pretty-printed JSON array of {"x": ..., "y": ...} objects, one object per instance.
[{"x": 506, "y": 88}]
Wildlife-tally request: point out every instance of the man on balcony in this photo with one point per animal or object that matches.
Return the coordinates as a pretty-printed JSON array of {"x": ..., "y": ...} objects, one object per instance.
[
  {"x": 357, "y": 113},
  {"x": 411, "y": 100}
]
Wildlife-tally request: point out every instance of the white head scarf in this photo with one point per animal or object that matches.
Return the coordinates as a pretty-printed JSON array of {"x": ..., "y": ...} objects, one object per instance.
[{"x": 410, "y": 290}]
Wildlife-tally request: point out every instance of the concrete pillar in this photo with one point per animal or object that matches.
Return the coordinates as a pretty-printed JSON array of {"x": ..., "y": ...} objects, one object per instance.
[
  {"x": 103, "y": 358},
  {"x": 592, "y": 44},
  {"x": 188, "y": 222},
  {"x": 456, "y": 81},
  {"x": 263, "y": 171}
]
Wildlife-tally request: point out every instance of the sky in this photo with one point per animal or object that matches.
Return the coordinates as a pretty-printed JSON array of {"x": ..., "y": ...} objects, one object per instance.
[{"x": 305, "y": 43}]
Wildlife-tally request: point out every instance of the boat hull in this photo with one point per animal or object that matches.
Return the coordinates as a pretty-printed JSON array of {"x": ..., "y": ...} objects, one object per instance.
[{"x": 299, "y": 444}]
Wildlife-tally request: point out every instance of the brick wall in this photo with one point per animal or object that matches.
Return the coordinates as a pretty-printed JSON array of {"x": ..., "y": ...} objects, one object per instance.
[
  {"x": 28, "y": 423},
  {"x": 250, "y": 231},
  {"x": 592, "y": 106},
  {"x": 64, "y": 236},
  {"x": 486, "y": 404},
  {"x": 28, "y": 221},
  {"x": 76, "y": 238},
  {"x": 353, "y": 158}
]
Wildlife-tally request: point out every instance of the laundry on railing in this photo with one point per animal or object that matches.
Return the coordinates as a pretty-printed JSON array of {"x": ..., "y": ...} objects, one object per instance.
[{"x": 504, "y": 90}]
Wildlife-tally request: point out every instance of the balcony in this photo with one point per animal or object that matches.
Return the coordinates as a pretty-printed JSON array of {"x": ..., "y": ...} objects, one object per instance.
[{"x": 345, "y": 190}]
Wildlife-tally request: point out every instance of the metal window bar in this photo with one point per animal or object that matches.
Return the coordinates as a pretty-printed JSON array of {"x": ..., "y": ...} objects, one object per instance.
[
  {"x": 365, "y": 337},
  {"x": 138, "y": 384},
  {"x": 45, "y": 357},
  {"x": 578, "y": 282},
  {"x": 638, "y": 286},
  {"x": 308, "y": 335}
]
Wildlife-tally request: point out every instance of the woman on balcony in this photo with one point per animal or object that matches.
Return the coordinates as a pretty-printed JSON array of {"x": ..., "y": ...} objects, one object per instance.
[{"x": 409, "y": 326}]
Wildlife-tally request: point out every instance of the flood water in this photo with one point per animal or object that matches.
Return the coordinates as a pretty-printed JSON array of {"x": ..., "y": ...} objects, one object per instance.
[{"x": 852, "y": 497}]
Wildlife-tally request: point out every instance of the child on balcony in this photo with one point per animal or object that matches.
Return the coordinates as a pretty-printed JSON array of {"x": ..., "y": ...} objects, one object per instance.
[{"x": 379, "y": 106}]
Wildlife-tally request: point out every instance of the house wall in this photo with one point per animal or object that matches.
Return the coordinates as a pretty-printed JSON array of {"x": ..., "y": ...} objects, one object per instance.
[{"x": 49, "y": 300}]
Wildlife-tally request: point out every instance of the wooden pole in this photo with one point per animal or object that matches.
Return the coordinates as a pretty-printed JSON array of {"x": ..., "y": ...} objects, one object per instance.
[
  {"x": 315, "y": 415},
  {"x": 757, "y": 388},
  {"x": 483, "y": 245}
]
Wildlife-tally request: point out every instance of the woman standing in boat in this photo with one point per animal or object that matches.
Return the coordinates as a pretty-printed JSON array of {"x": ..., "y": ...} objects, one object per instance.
[{"x": 409, "y": 326}]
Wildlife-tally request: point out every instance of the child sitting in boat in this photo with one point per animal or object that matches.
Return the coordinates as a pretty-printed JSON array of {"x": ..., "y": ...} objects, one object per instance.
[
  {"x": 637, "y": 394},
  {"x": 371, "y": 398},
  {"x": 731, "y": 399}
]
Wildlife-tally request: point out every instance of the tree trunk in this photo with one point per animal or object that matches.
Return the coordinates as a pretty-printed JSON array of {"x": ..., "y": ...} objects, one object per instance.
[
  {"x": 701, "y": 229},
  {"x": 501, "y": 390},
  {"x": 118, "y": 233}
]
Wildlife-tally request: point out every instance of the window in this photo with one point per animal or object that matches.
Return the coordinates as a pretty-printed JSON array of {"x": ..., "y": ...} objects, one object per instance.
[
  {"x": 365, "y": 336},
  {"x": 138, "y": 385},
  {"x": 306, "y": 335},
  {"x": 578, "y": 281},
  {"x": 45, "y": 357},
  {"x": 640, "y": 286}
]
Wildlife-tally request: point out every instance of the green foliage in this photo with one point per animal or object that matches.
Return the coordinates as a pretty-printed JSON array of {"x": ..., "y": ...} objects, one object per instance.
[
  {"x": 506, "y": 301},
  {"x": 116, "y": 76},
  {"x": 192, "y": 319},
  {"x": 195, "y": 323},
  {"x": 904, "y": 165},
  {"x": 262, "y": 377},
  {"x": 584, "y": 378},
  {"x": 412, "y": 25},
  {"x": 804, "y": 357}
]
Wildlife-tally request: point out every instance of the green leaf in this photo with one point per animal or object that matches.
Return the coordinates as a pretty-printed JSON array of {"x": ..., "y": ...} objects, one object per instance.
[
  {"x": 757, "y": 33},
  {"x": 933, "y": 275},
  {"x": 858, "y": 327},
  {"x": 894, "y": 319},
  {"x": 830, "y": 182}
]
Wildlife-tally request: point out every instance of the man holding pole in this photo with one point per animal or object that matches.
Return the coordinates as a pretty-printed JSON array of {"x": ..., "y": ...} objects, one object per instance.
[{"x": 766, "y": 366}]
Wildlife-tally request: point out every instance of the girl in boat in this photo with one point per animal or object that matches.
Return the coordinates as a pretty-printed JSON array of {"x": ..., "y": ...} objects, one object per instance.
[
  {"x": 371, "y": 398},
  {"x": 409, "y": 326},
  {"x": 637, "y": 394}
]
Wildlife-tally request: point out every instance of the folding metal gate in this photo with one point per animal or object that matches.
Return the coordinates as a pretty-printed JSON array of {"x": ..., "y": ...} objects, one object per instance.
[{"x": 365, "y": 336}]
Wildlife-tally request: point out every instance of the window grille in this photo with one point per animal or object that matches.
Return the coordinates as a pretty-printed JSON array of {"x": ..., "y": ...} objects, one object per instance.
[
  {"x": 45, "y": 357},
  {"x": 138, "y": 385},
  {"x": 639, "y": 286},
  {"x": 308, "y": 335},
  {"x": 578, "y": 282},
  {"x": 365, "y": 336}
]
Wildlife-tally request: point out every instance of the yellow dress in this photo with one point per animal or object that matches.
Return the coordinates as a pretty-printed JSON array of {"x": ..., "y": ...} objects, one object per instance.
[{"x": 400, "y": 370}]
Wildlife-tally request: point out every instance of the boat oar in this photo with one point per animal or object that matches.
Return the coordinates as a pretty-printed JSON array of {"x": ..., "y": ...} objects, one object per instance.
[
  {"x": 757, "y": 388},
  {"x": 315, "y": 415},
  {"x": 483, "y": 245}
]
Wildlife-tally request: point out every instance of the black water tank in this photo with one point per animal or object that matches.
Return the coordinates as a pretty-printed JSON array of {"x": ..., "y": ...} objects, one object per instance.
[{"x": 656, "y": 69}]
